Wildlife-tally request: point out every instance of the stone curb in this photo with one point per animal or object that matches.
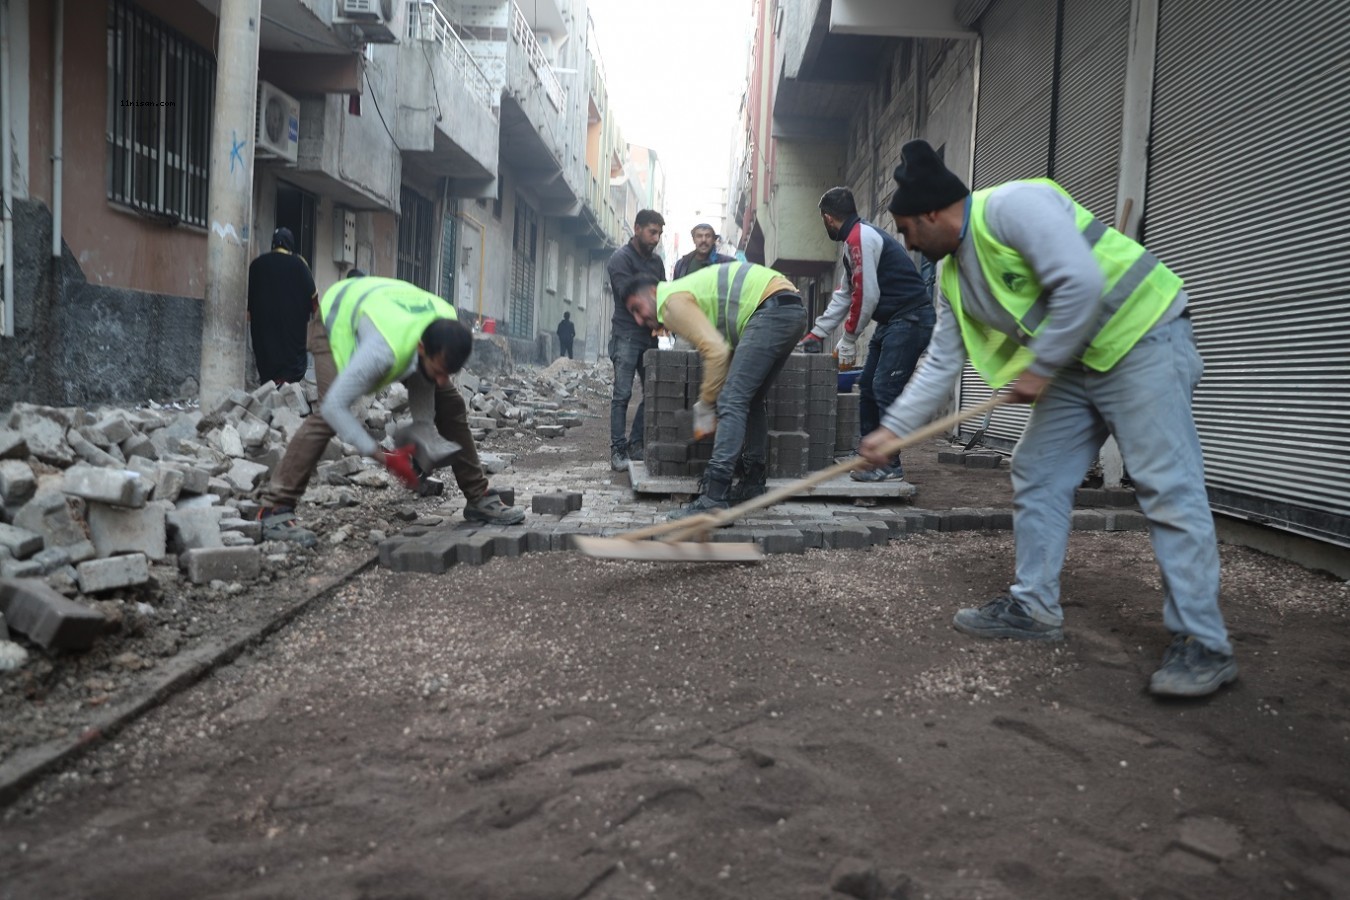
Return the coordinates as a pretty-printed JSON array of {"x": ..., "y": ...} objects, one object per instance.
[
  {"x": 182, "y": 671},
  {"x": 433, "y": 551}
]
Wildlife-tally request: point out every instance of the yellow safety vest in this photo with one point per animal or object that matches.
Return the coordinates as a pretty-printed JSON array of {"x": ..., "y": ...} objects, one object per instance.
[
  {"x": 728, "y": 294},
  {"x": 398, "y": 310},
  {"x": 1139, "y": 289}
]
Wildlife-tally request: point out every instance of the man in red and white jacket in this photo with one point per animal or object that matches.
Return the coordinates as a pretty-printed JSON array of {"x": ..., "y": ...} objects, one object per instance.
[{"x": 878, "y": 283}]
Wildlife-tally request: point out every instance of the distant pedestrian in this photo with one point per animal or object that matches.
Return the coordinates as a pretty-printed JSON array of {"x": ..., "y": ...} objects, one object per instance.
[
  {"x": 703, "y": 254},
  {"x": 567, "y": 332},
  {"x": 630, "y": 340},
  {"x": 281, "y": 300}
]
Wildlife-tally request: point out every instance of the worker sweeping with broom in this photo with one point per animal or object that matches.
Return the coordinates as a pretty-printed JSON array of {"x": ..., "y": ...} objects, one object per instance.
[
  {"x": 744, "y": 320},
  {"x": 1090, "y": 326}
]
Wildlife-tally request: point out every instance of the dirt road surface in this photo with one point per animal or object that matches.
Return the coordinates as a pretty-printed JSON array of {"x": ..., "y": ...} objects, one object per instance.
[{"x": 810, "y": 727}]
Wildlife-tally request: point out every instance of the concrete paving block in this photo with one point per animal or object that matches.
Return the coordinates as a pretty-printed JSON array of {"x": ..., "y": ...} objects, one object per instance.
[
  {"x": 1089, "y": 497},
  {"x": 984, "y": 459},
  {"x": 207, "y": 564},
  {"x": 476, "y": 549},
  {"x": 508, "y": 543},
  {"x": 538, "y": 542},
  {"x": 49, "y": 514},
  {"x": 88, "y": 451},
  {"x": 32, "y": 608},
  {"x": 812, "y": 536},
  {"x": 20, "y": 542},
  {"x": 508, "y": 495},
  {"x": 387, "y": 548},
  {"x": 194, "y": 528},
  {"x": 115, "y": 428},
  {"x": 881, "y": 532},
  {"x": 249, "y": 528},
  {"x": 17, "y": 483},
  {"x": 12, "y": 444},
  {"x": 550, "y": 431},
  {"x": 998, "y": 519},
  {"x": 952, "y": 457},
  {"x": 432, "y": 554},
  {"x": 1125, "y": 520},
  {"x": 932, "y": 521},
  {"x": 574, "y": 499},
  {"x": 221, "y": 488},
  {"x": 1088, "y": 520},
  {"x": 781, "y": 540},
  {"x": 18, "y": 568},
  {"x": 733, "y": 535},
  {"x": 116, "y": 529},
  {"x": 961, "y": 519},
  {"x": 550, "y": 504},
  {"x": 850, "y": 536},
  {"x": 119, "y": 487},
  {"x": 169, "y": 483},
  {"x": 236, "y": 539},
  {"x": 244, "y": 476},
  {"x": 45, "y": 436},
  {"x": 138, "y": 445},
  {"x": 196, "y": 481},
  {"x": 98, "y": 575},
  {"x": 1121, "y": 498},
  {"x": 52, "y": 559}
]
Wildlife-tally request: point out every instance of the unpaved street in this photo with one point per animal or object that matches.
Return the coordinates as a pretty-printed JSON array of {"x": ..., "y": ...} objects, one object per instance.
[{"x": 554, "y": 727}]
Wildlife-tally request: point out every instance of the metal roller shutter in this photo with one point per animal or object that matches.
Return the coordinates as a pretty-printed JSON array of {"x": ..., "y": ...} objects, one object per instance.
[
  {"x": 1249, "y": 178},
  {"x": 1012, "y": 139},
  {"x": 1094, "y": 49}
]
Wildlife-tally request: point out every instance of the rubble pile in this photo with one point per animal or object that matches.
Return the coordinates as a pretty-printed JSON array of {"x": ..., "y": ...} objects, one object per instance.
[{"x": 105, "y": 507}]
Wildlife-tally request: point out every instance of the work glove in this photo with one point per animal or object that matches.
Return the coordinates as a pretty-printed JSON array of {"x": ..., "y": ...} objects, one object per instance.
[
  {"x": 847, "y": 350},
  {"x": 705, "y": 420},
  {"x": 399, "y": 463},
  {"x": 810, "y": 344}
]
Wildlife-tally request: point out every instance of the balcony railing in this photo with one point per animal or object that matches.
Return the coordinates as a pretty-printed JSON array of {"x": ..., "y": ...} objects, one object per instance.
[
  {"x": 427, "y": 23},
  {"x": 521, "y": 34}
]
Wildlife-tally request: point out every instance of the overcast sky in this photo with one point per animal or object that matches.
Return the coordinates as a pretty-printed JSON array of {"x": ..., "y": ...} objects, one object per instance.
[{"x": 675, "y": 70}]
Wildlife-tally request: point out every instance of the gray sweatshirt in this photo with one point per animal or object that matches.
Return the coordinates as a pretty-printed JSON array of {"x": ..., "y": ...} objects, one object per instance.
[
  {"x": 1038, "y": 222},
  {"x": 369, "y": 363}
]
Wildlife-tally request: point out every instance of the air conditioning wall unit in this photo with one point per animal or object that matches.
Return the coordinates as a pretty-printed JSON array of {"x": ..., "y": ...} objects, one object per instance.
[
  {"x": 366, "y": 21},
  {"x": 278, "y": 124}
]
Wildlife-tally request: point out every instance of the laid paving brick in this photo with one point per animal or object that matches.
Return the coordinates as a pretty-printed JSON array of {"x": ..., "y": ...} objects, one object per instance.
[
  {"x": 962, "y": 519},
  {"x": 813, "y": 536},
  {"x": 952, "y": 457},
  {"x": 509, "y": 543},
  {"x": 207, "y": 564},
  {"x": 998, "y": 519},
  {"x": 476, "y": 549},
  {"x": 1089, "y": 497},
  {"x": 32, "y": 608},
  {"x": 508, "y": 495},
  {"x": 985, "y": 459},
  {"x": 781, "y": 540},
  {"x": 1125, "y": 520},
  {"x": 20, "y": 542},
  {"x": 1088, "y": 520},
  {"x": 932, "y": 521},
  {"x": 538, "y": 542},
  {"x": 432, "y": 554},
  {"x": 881, "y": 532},
  {"x": 98, "y": 575},
  {"x": 574, "y": 499}
]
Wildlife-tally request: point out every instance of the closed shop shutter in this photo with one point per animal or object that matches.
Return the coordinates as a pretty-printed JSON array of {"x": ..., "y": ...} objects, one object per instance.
[
  {"x": 1249, "y": 179},
  {"x": 1012, "y": 139},
  {"x": 524, "y": 246}
]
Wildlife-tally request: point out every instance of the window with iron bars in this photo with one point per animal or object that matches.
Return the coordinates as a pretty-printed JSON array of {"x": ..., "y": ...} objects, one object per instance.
[
  {"x": 415, "y": 225},
  {"x": 161, "y": 88}
]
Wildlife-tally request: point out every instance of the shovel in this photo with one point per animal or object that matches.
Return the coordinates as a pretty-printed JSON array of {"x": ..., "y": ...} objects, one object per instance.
[{"x": 686, "y": 540}]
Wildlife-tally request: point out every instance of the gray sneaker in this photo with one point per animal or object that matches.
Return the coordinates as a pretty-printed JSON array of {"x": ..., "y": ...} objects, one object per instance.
[
  {"x": 618, "y": 461},
  {"x": 1004, "y": 617},
  {"x": 279, "y": 523},
  {"x": 877, "y": 475},
  {"x": 1190, "y": 669},
  {"x": 491, "y": 509}
]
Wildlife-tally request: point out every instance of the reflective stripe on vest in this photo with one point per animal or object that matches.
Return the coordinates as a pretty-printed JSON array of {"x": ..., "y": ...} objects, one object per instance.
[
  {"x": 728, "y": 294},
  {"x": 1139, "y": 289},
  {"x": 398, "y": 310}
]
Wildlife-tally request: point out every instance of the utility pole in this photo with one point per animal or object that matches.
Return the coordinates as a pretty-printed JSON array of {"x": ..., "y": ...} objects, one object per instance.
[{"x": 230, "y": 209}]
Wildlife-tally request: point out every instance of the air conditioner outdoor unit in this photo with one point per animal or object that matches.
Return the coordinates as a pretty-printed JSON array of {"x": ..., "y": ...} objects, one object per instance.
[
  {"x": 278, "y": 124},
  {"x": 369, "y": 21}
]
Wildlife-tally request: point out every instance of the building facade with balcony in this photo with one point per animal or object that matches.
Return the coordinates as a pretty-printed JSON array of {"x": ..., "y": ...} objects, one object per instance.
[{"x": 1163, "y": 119}]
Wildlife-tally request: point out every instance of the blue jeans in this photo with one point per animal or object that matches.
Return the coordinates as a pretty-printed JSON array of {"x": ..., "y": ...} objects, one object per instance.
[
  {"x": 626, "y": 354},
  {"x": 1145, "y": 402},
  {"x": 742, "y": 421},
  {"x": 892, "y": 354}
]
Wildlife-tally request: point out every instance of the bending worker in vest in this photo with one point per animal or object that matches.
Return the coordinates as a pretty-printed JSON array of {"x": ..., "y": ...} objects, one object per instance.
[
  {"x": 878, "y": 283},
  {"x": 371, "y": 333},
  {"x": 744, "y": 320},
  {"x": 1091, "y": 327}
]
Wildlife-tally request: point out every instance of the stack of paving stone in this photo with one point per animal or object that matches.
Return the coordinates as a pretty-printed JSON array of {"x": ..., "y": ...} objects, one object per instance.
[
  {"x": 800, "y": 409},
  {"x": 846, "y": 423}
]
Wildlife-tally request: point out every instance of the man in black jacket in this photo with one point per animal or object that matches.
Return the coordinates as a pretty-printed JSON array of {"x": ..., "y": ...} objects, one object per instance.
[
  {"x": 628, "y": 340},
  {"x": 567, "y": 333},
  {"x": 281, "y": 299},
  {"x": 703, "y": 254}
]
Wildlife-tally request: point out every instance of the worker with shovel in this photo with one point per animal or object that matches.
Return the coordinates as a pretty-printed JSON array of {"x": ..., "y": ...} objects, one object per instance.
[
  {"x": 744, "y": 320},
  {"x": 1076, "y": 317},
  {"x": 371, "y": 333}
]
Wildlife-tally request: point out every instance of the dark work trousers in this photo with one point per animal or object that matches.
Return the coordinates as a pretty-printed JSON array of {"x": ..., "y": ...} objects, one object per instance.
[
  {"x": 626, "y": 354},
  {"x": 892, "y": 354}
]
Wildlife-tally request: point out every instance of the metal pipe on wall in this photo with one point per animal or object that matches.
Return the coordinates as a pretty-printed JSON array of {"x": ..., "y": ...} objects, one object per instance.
[
  {"x": 6, "y": 173},
  {"x": 58, "y": 105}
]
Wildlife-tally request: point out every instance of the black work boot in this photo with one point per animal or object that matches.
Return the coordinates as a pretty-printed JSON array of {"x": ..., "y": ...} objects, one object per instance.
[
  {"x": 751, "y": 483},
  {"x": 712, "y": 500}
]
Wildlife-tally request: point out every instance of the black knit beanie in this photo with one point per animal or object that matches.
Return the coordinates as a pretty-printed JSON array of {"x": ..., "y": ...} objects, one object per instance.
[{"x": 922, "y": 183}]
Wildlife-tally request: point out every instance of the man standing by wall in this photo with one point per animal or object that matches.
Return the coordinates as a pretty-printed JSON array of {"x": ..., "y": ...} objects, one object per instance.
[
  {"x": 703, "y": 254},
  {"x": 1094, "y": 329},
  {"x": 630, "y": 340},
  {"x": 567, "y": 333},
  {"x": 878, "y": 283},
  {"x": 281, "y": 299}
]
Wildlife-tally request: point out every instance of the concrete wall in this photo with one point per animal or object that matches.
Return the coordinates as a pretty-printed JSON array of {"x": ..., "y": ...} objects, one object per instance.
[
  {"x": 793, "y": 232},
  {"x": 82, "y": 343},
  {"x": 114, "y": 246}
]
